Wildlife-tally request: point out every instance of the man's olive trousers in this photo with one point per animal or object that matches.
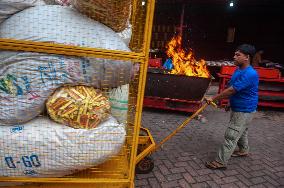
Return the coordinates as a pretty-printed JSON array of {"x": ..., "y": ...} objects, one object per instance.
[{"x": 235, "y": 135}]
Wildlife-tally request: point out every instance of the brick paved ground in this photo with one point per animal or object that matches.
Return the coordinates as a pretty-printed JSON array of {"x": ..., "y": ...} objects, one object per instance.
[{"x": 180, "y": 163}]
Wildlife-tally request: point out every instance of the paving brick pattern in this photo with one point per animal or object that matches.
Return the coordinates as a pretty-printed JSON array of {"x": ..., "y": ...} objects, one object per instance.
[{"x": 180, "y": 162}]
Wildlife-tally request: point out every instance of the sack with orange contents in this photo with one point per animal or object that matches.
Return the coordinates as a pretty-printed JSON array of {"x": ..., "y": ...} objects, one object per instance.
[
  {"x": 78, "y": 106},
  {"x": 113, "y": 13}
]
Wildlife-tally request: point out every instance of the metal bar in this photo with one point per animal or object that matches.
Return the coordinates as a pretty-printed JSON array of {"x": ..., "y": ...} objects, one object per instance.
[
  {"x": 60, "y": 49},
  {"x": 181, "y": 20},
  {"x": 184, "y": 124},
  {"x": 270, "y": 93},
  {"x": 63, "y": 180},
  {"x": 271, "y": 104},
  {"x": 142, "y": 82},
  {"x": 171, "y": 99},
  {"x": 150, "y": 147},
  {"x": 171, "y": 105}
]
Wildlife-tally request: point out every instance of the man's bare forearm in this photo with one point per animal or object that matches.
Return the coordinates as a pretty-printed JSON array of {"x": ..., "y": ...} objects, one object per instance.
[{"x": 224, "y": 94}]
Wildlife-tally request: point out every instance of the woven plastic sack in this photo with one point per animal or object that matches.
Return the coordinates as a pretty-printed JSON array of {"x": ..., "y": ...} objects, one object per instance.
[
  {"x": 54, "y": 150},
  {"x": 126, "y": 34},
  {"x": 10, "y": 7},
  {"x": 58, "y": 2},
  {"x": 78, "y": 106},
  {"x": 60, "y": 24},
  {"x": 118, "y": 98},
  {"x": 28, "y": 79},
  {"x": 113, "y": 13}
]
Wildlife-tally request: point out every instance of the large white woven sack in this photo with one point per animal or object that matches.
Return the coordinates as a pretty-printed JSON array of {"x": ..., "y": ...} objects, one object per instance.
[
  {"x": 43, "y": 148},
  {"x": 10, "y": 7},
  {"x": 27, "y": 79},
  {"x": 125, "y": 35},
  {"x": 60, "y": 24}
]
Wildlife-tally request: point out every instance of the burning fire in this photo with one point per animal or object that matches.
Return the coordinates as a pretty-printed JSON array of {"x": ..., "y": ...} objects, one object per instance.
[{"x": 184, "y": 62}]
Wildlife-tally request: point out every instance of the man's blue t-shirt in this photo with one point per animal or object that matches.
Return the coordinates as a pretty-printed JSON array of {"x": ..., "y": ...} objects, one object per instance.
[{"x": 245, "y": 82}]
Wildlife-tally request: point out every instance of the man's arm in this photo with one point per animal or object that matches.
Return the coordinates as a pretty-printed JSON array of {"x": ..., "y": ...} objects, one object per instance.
[{"x": 224, "y": 94}]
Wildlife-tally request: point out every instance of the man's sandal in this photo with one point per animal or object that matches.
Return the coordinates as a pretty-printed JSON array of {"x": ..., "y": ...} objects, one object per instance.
[
  {"x": 240, "y": 154},
  {"x": 215, "y": 165}
]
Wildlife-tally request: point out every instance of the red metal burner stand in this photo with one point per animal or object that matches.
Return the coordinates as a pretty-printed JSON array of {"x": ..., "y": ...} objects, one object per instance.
[{"x": 171, "y": 104}]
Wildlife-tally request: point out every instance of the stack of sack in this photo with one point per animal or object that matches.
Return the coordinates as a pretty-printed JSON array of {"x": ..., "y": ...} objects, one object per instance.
[{"x": 86, "y": 126}]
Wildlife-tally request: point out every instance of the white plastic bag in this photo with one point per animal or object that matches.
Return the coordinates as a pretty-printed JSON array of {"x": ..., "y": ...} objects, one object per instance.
[
  {"x": 118, "y": 98},
  {"x": 42, "y": 148},
  {"x": 126, "y": 34}
]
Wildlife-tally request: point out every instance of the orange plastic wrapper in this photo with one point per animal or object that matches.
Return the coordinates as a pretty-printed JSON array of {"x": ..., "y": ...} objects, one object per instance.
[{"x": 78, "y": 106}]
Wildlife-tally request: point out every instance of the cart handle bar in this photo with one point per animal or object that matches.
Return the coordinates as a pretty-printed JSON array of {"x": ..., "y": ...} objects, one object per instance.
[{"x": 184, "y": 124}]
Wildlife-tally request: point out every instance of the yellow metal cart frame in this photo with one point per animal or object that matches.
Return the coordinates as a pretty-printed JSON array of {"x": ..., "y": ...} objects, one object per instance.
[{"x": 119, "y": 171}]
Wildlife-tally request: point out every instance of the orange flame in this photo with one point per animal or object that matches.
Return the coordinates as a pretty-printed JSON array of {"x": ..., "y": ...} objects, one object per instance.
[{"x": 184, "y": 63}]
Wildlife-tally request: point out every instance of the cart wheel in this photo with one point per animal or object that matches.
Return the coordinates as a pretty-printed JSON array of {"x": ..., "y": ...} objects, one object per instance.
[{"x": 145, "y": 166}]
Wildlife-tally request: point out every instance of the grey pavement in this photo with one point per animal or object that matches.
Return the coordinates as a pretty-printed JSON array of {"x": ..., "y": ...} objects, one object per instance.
[{"x": 180, "y": 162}]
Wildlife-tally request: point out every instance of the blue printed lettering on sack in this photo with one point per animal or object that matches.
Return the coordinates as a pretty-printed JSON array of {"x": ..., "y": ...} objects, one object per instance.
[
  {"x": 47, "y": 72},
  {"x": 30, "y": 172},
  {"x": 52, "y": 74},
  {"x": 62, "y": 63},
  {"x": 84, "y": 67},
  {"x": 11, "y": 84},
  {"x": 27, "y": 83},
  {"x": 27, "y": 161},
  {"x": 17, "y": 129}
]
